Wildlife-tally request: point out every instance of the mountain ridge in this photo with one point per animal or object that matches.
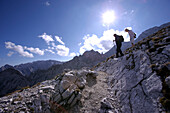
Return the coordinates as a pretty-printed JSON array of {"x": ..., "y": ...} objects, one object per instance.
[{"x": 27, "y": 68}]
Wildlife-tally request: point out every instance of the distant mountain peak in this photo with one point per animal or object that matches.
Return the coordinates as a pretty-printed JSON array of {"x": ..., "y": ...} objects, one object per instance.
[
  {"x": 7, "y": 66},
  {"x": 90, "y": 53}
]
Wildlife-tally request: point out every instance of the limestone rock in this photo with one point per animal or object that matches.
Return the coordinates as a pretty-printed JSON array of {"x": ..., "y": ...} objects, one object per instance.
[
  {"x": 137, "y": 79},
  {"x": 68, "y": 88},
  {"x": 29, "y": 100}
]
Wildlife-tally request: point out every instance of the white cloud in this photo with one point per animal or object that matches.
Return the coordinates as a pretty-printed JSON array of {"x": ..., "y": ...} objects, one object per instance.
[
  {"x": 52, "y": 48},
  {"x": 77, "y": 54},
  {"x": 89, "y": 43},
  {"x": 49, "y": 50},
  {"x": 35, "y": 50},
  {"x": 79, "y": 44},
  {"x": 10, "y": 53},
  {"x": 47, "y": 3},
  {"x": 19, "y": 49},
  {"x": 47, "y": 38},
  {"x": 62, "y": 50},
  {"x": 72, "y": 54},
  {"x": 59, "y": 40},
  {"x": 102, "y": 44}
]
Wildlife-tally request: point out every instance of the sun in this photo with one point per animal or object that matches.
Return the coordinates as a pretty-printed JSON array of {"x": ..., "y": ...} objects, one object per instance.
[{"x": 108, "y": 17}]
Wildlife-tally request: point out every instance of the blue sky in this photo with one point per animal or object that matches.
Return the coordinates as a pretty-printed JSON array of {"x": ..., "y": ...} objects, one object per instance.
[{"x": 33, "y": 30}]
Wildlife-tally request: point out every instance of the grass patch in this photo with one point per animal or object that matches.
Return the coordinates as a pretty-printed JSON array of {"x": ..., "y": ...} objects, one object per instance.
[
  {"x": 157, "y": 39},
  {"x": 36, "y": 85},
  {"x": 13, "y": 92},
  {"x": 111, "y": 57}
]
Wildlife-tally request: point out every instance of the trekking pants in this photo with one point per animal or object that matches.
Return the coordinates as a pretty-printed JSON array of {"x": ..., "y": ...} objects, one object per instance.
[{"x": 118, "y": 50}]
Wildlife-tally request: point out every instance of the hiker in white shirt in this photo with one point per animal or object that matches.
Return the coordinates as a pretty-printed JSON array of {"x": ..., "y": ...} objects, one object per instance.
[{"x": 132, "y": 36}]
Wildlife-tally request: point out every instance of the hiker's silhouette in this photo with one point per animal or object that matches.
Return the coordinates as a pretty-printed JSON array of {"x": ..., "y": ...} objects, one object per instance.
[{"x": 119, "y": 40}]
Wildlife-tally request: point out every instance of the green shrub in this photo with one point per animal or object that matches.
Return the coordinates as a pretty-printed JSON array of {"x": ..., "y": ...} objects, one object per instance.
[{"x": 165, "y": 102}]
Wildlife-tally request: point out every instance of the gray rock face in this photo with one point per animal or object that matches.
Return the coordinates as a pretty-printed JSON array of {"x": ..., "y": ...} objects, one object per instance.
[
  {"x": 35, "y": 99},
  {"x": 69, "y": 87},
  {"x": 136, "y": 79},
  {"x": 135, "y": 88}
]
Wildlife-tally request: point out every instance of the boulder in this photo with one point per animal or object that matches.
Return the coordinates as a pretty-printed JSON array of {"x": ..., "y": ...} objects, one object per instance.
[{"x": 69, "y": 87}]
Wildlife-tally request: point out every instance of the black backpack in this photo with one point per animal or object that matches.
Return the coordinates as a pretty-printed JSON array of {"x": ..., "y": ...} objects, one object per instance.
[{"x": 121, "y": 38}]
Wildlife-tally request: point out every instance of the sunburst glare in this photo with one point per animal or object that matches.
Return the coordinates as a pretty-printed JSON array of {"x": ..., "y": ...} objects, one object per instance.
[{"x": 108, "y": 17}]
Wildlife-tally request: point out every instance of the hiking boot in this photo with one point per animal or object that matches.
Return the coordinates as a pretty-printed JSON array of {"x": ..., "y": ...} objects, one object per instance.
[{"x": 117, "y": 55}]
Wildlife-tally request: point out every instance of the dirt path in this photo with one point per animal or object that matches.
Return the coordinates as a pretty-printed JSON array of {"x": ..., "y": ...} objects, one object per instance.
[{"x": 93, "y": 93}]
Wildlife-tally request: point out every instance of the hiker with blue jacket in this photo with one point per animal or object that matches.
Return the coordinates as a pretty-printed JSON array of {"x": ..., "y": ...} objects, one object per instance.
[{"x": 119, "y": 40}]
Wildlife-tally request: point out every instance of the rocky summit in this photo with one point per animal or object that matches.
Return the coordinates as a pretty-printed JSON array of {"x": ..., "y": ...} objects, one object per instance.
[{"x": 138, "y": 82}]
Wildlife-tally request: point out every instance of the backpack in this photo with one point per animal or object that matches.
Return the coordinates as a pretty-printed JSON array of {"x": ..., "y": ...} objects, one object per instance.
[
  {"x": 121, "y": 38},
  {"x": 134, "y": 35}
]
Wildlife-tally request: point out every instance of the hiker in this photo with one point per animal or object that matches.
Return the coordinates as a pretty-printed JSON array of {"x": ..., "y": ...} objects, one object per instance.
[
  {"x": 119, "y": 40},
  {"x": 132, "y": 36}
]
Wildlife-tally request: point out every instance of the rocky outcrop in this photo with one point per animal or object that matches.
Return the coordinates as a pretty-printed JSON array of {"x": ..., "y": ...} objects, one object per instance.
[
  {"x": 32, "y": 100},
  {"x": 134, "y": 87},
  {"x": 151, "y": 31},
  {"x": 139, "y": 80},
  {"x": 69, "y": 87},
  {"x": 59, "y": 94}
]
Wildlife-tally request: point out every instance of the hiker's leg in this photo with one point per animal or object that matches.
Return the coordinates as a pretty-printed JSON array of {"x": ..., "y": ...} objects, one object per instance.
[
  {"x": 118, "y": 50},
  {"x": 132, "y": 44},
  {"x": 117, "y": 54},
  {"x": 121, "y": 50},
  {"x": 132, "y": 41},
  {"x": 121, "y": 53}
]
